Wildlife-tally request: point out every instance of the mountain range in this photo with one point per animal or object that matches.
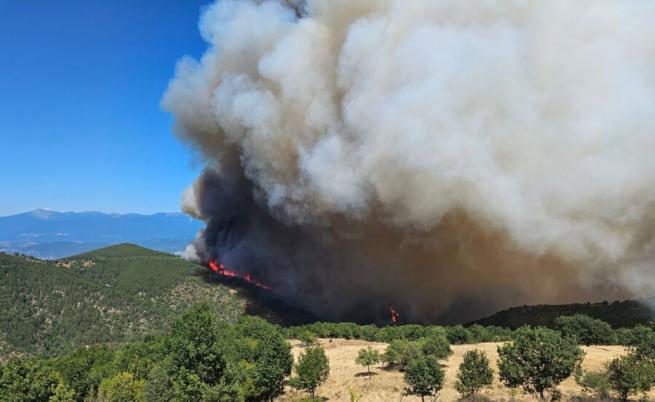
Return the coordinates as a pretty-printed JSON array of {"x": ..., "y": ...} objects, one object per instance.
[{"x": 51, "y": 234}]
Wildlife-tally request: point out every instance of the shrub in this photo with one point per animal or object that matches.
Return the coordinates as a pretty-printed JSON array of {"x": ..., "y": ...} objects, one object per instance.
[
  {"x": 630, "y": 375},
  {"x": 424, "y": 377},
  {"x": 623, "y": 336},
  {"x": 437, "y": 346},
  {"x": 474, "y": 373},
  {"x": 61, "y": 392},
  {"x": 458, "y": 335},
  {"x": 641, "y": 342},
  {"x": 595, "y": 382},
  {"x": 367, "y": 357},
  {"x": 585, "y": 330},
  {"x": 400, "y": 352},
  {"x": 538, "y": 360},
  {"x": 121, "y": 388},
  {"x": 307, "y": 338},
  {"x": 354, "y": 396},
  {"x": 312, "y": 370}
]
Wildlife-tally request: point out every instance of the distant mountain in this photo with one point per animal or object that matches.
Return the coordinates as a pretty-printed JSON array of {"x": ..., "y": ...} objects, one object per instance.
[{"x": 50, "y": 234}]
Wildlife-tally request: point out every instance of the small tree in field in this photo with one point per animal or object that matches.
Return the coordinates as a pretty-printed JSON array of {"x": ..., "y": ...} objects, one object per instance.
[
  {"x": 424, "y": 377},
  {"x": 367, "y": 357},
  {"x": 538, "y": 360},
  {"x": 312, "y": 370},
  {"x": 474, "y": 373}
]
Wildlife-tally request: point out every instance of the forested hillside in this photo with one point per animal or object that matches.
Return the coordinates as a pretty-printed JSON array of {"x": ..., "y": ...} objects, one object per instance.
[
  {"x": 619, "y": 314},
  {"x": 111, "y": 295}
]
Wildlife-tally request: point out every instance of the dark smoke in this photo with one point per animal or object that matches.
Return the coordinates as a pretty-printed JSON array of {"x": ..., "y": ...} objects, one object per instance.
[{"x": 442, "y": 158}]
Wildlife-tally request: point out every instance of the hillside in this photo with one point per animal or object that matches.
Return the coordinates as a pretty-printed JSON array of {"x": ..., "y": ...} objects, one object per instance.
[
  {"x": 115, "y": 294},
  {"x": 619, "y": 314},
  {"x": 51, "y": 234}
]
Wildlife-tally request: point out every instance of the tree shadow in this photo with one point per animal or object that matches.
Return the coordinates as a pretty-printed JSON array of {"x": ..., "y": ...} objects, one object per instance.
[{"x": 366, "y": 374}]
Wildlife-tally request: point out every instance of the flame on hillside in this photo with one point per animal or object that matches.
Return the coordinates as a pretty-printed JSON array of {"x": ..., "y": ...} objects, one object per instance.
[
  {"x": 220, "y": 269},
  {"x": 394, "y": 315}
]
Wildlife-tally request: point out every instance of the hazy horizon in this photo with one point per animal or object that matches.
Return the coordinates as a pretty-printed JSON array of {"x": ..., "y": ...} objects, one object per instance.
[{"x": 81, "y": 127}]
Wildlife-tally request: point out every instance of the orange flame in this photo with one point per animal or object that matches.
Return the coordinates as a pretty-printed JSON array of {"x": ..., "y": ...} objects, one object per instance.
[
  {"x": 394, "y": 315},
  {"x": 220, "y": 269}
]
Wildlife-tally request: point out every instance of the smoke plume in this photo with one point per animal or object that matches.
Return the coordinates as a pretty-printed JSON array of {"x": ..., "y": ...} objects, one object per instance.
[{"x": 443, "y": 157}]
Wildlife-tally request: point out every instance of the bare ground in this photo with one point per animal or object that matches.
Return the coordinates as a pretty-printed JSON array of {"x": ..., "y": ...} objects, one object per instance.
[{"x": 388, "y": 385}]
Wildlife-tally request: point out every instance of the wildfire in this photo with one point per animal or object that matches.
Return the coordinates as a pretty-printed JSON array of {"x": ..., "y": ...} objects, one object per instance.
[
  {"x": 220, "y": 269},
  {"x": 394, "y": 315}
]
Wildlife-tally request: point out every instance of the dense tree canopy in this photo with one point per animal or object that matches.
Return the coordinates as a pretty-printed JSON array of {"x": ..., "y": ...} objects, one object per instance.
[
  {"x": 586, "y": 330},
  {"x": 199, "y": 359}
]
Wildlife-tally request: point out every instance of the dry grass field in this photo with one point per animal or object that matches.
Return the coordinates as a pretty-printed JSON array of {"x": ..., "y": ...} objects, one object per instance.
[{"x": 388, "y": 385}]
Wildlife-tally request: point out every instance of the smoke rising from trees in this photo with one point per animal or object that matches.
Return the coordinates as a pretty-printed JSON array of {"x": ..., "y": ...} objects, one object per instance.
[{"x": 445, "y": 158}]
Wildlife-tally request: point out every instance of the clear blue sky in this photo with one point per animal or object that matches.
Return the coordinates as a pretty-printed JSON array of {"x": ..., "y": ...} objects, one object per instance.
[{"x": 80, "y": 123}]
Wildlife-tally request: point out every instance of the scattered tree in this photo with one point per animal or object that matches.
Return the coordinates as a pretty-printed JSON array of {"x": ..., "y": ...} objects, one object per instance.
[
  {"x": 312, "y": 370},
  {"x": 424, "y": 377},
  {"x": 367, "y": 357},
  {"x": 538, "y": 360},
  {"x": 474, "y": 373}
]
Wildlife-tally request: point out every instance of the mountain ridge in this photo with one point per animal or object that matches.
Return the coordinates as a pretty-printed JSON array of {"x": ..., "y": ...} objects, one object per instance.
[{"x": 53, "y": 234}]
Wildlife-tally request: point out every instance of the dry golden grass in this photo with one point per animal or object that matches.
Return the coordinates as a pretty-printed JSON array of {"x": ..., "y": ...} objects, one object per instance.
[{"x": 388, "y": 385}]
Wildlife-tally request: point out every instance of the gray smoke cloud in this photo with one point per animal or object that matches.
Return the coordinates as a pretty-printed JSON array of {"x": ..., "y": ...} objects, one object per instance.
[{"x": 439, "y": 156}]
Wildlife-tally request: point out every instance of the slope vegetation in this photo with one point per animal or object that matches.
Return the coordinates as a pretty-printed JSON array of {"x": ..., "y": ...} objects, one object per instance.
[
  {"x": 115, "y": 294},
  {"x": 619, "y": 314}
]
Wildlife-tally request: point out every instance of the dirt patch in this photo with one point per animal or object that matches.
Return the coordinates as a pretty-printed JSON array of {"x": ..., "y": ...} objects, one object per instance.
[{"x": 388, "y": 385}]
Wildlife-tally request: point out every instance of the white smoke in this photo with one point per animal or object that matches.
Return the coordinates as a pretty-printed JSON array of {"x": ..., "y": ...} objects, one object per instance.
[{"x": 533, "y": 119}]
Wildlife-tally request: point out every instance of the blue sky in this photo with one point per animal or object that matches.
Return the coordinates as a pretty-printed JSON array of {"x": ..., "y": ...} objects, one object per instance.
[{"x": 80, "y": 123}]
